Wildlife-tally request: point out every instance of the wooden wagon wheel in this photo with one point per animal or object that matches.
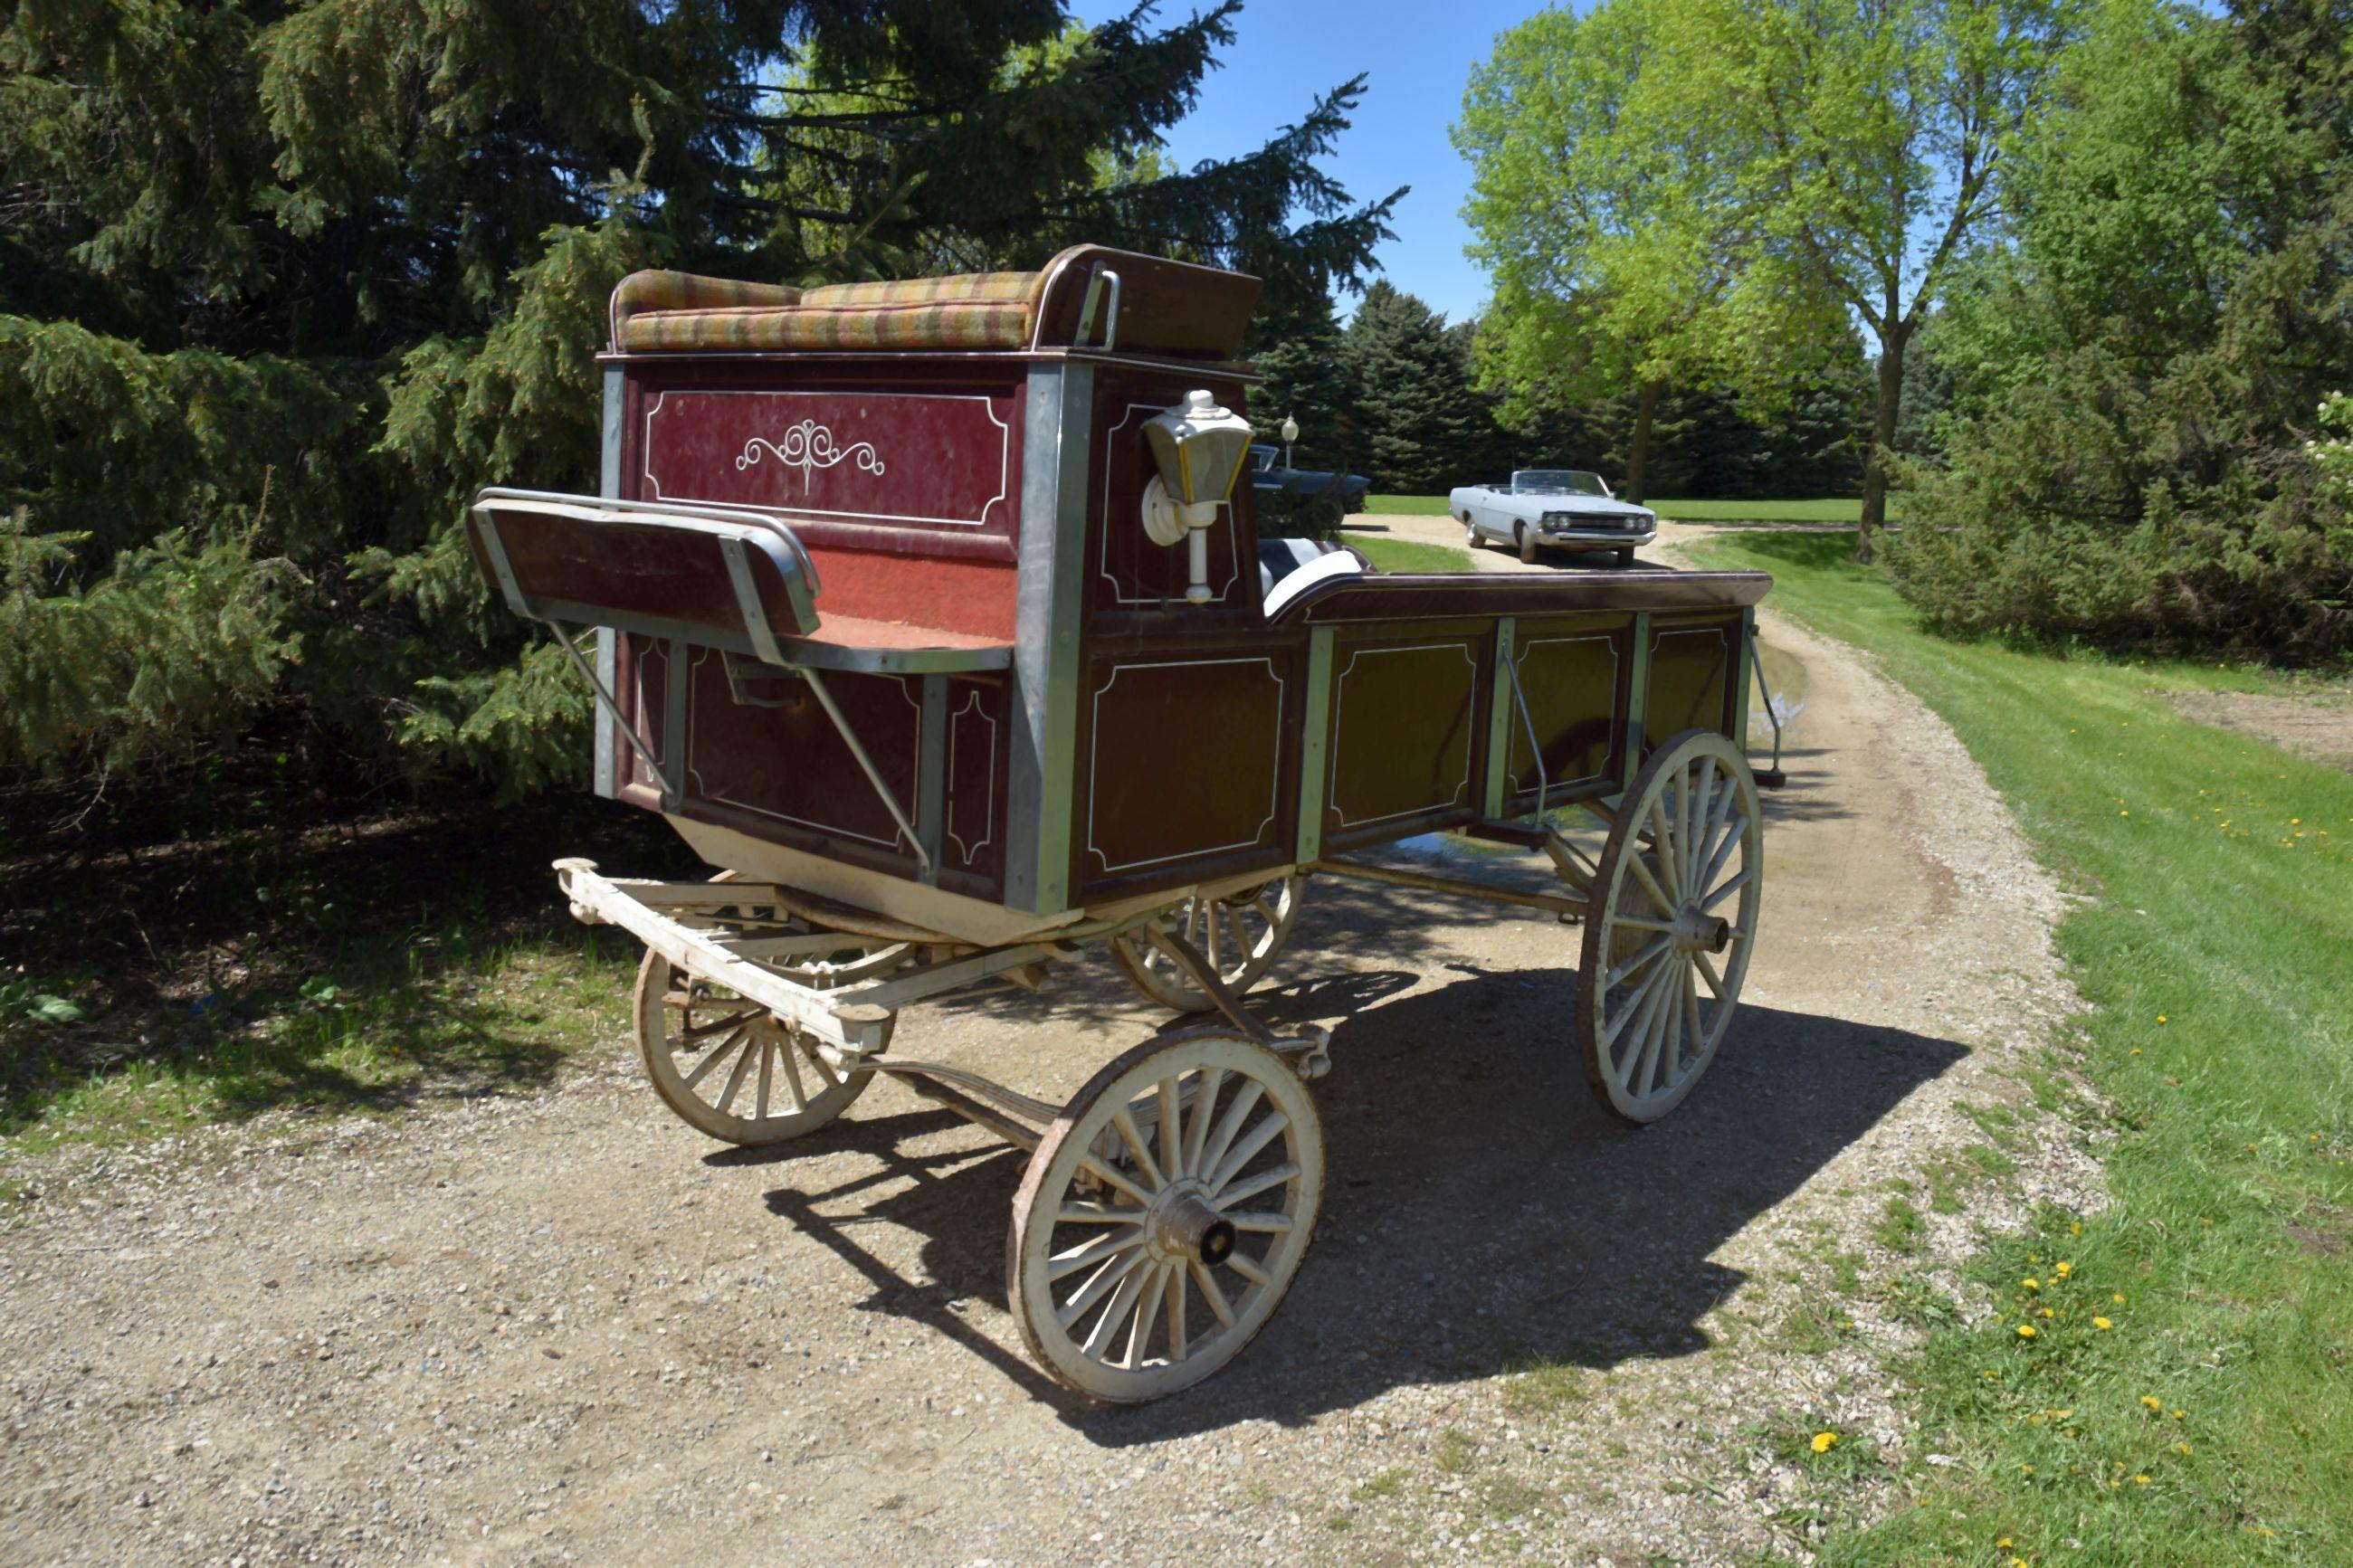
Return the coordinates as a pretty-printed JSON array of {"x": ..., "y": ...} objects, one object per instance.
[
  {"x": 1240, "y": 933},
  {"x": 1137, "y": 1275},
  {"x": 728, "y": 1066},
  {"x": 1672, "y": 921}
]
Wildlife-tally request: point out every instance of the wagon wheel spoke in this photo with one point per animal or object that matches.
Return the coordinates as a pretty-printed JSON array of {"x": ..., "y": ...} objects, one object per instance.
[
  {"x": 1651, "y": 950},
  {"x": 1659, "y": 899},
  {"x": 1219, "y": 1306},
  {"x": 1707, "y": 972},
  {"x": 717, "y": 1053},
  {"x": 1733, "y": 884},
  {"x": 1178, "y": 1340},
  {"x": 743, "y": 1066}
]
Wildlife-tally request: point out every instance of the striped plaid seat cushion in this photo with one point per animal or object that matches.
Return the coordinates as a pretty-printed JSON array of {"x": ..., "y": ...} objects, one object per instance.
[{"x": 653, "y": 311}]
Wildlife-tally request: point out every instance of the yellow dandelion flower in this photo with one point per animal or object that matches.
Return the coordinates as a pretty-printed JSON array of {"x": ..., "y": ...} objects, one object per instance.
[
  {"x": 2176, "y": 1416},
  {"x": 1825, "y": 1441},
  {"x": 2181, "y": 1447},
  {"x": 2102, "y": 1323},
  {"x": 2152, "y": 1401},
  {"x": 2161, "y": 1017},
  {"x": 2017, "y": 1563},
  {"x": 2141, "y": 1480},
  {"x": 2026, "y": 1331},
  {"x": 2046, "y": 1311},
  {"x": 2031, "y": 1284},
  {"x": 2119, "y": 1300},
  {"x": 2004, "y": 1544},
  {"x": 2064, "y": 1271}
]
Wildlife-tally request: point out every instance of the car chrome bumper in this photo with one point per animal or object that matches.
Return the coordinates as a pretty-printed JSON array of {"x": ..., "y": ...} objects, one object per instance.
[{"x": 1599, "y": 539}]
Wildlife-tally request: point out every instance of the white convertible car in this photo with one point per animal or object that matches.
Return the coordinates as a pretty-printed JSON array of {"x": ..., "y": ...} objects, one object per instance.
[{"x": 1554, "y": 508}]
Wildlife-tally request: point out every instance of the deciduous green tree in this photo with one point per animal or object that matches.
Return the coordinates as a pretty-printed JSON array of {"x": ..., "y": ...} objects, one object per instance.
[
  {"x": 1868, "y": 140},
  {"x": 1605, "y": 203},
  {"x": 2139, "y": 380}
]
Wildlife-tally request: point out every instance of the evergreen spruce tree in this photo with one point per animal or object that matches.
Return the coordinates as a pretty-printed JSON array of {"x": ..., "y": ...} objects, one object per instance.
[
  {"x": 1425, "y": 430},
  {"x": 1305, "y": 382},
  {"x": 280, "y": 284}
]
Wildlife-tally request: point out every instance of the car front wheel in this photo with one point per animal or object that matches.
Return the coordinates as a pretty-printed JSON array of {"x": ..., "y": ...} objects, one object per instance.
[{"x": 1528, "y": 543}]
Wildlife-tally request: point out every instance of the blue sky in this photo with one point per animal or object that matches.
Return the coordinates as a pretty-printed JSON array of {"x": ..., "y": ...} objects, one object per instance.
[{"x": 1418, "y": 57}]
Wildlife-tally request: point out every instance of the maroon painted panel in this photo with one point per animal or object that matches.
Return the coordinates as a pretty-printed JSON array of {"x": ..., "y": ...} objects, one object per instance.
[
  {"x": 1185, "y": 762},
  {"x": 979, "y": 737},
  {"x": 1690, "y": 678},
  {"x": 1407, "y": 725},
  {"x": 785, "y": 765},
  {"x": 634, "y": 567},
  {"x": 1573, "y": 675},
  {"x": 925, "y": 460}
]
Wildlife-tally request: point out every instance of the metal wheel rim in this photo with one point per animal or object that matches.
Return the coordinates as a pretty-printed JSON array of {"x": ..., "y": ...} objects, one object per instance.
[
  {"x": 712, "y": 1055},
  {"x": 1107, "y": 1303},
  {"x": 1242, "y": 934},
  {"x": 1655, "y": 997}
]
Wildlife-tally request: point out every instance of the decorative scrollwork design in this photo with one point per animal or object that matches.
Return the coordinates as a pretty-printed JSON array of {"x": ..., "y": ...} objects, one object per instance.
[{"x": 810, "y": 446}]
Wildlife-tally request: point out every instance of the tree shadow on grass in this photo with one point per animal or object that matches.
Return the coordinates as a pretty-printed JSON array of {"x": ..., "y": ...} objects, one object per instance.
[{"x": 1481, "y": 1210}]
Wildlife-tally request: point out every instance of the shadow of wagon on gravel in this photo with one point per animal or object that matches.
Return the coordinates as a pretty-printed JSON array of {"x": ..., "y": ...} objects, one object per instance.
[{"x": 1485, "y": 1213}]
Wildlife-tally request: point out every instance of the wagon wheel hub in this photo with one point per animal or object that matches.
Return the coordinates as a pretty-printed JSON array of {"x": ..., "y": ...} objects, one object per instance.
[
  {"x": 1182, "y": 1228},
  {"x": 1696, "y": 931}
]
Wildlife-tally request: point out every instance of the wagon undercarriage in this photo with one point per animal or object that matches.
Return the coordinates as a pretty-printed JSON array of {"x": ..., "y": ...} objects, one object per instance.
[{"x": 1167, "y": 1203}]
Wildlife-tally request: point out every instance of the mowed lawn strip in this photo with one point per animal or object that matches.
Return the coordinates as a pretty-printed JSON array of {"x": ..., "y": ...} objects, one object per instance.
[
  {"x": 1408, "y": 554},
  {"x": 1822, "y": 509},
  {"x": 2186, "y": 1391}
]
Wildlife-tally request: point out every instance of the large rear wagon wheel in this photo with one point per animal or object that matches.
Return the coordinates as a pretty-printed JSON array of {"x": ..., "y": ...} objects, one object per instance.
[
  {"x": 1671, "y": 925},
  {"x": 1164, "y": 1214}
]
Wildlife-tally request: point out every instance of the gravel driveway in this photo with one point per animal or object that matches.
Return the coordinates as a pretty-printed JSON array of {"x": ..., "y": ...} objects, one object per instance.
[{"x": 567, "y": 1328}]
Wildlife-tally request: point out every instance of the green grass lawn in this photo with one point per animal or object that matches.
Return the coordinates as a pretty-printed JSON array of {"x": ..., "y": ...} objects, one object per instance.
[
  {"x": 1410, "y": 555},
  {"x": 2188, "y": 1397},
  {"x": 1826, "y": 509}
]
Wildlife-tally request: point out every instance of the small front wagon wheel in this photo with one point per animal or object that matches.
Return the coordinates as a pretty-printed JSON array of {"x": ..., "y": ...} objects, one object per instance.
[
  {"x": 1670, "y": 923},
  {"x": 1164, "y": 1214},
  {"x": 730, "y": 1068},
  {"x": 1240, "y": 935}
]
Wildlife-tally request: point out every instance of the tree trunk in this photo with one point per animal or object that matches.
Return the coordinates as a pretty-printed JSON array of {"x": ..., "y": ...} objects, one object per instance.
[
  {"x": 1883, "y": 443},
  {"x": 1646, "y": 405}
]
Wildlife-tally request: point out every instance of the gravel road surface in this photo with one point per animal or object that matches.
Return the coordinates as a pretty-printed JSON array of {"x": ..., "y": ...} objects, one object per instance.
[{"x": 567, "y": 1328}]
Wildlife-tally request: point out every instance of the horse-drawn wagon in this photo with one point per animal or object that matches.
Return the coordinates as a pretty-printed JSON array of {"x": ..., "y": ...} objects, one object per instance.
[{"x": 932, "y": 615}]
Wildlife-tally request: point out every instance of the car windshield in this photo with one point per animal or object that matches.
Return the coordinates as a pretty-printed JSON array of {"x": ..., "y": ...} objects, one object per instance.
[
  {"x": 1557, "y": 482},
  {"x": 1261, "y": 458}
]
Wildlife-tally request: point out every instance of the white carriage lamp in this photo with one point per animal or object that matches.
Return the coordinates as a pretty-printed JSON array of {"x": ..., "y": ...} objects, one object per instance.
[
  {"x": 1201, "y": 449},
  {"x": 1290, "y": 434}
]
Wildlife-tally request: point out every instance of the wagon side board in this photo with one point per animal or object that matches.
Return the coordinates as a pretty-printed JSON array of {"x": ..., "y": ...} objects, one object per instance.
[{"x": 1126, "y": 742}]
